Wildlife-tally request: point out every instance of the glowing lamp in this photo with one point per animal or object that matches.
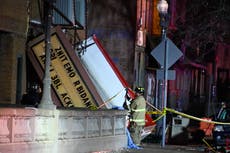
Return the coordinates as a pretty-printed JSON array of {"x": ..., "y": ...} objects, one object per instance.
[{"x": 162, "y": 7}]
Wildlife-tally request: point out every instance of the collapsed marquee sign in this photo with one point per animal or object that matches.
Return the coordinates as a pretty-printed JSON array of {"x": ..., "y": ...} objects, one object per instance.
[
  {"x": 80, "y": 81},
  {"x": 71, "y": 85},
  {"x": 105, "y": 76}
]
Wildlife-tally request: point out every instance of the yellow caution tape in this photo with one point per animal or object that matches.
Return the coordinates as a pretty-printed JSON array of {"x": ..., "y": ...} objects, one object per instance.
[
  {"x": 163, "y": 113},
  {"x": 153, "y": 112},
  {"x": 157, "y": 112},
  {"x": 154, "y": 107},
  {"x": 159, "y": 117},
  {"x": 109, "y": 100},
  {"x": 195, "y": 118},
  {"x": 209, "y": 146}
]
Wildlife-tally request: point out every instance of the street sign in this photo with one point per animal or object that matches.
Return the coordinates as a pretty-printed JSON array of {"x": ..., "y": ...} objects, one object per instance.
[{"x": 173, "y": 53}]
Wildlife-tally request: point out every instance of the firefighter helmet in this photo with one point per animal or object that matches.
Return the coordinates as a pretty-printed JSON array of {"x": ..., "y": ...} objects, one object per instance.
[{"x": 140, "y": 90}]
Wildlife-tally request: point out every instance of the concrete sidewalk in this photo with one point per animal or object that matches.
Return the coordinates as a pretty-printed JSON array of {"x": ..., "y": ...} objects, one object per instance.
[{"x": 156, "y": 148}]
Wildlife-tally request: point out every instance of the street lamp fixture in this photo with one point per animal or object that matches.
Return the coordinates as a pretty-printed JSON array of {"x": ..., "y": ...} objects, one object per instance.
[{"x": 162, "y": 8}]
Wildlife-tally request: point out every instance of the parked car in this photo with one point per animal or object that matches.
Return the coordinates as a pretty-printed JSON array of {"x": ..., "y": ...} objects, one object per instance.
[{"x": 221, "y": 132}]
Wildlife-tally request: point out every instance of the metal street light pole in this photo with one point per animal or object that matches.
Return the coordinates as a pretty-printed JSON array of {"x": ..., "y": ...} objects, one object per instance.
[
  {"x": 162, "y": 7},
  {"x": 46, "y": 101}
]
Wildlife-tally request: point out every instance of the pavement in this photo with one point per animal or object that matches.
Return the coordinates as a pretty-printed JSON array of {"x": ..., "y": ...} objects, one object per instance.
[{"x": 156, "y": 148}]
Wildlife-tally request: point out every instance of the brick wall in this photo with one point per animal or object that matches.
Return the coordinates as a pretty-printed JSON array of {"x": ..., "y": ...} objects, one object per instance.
[
  {"x": 12, "y": 47},
  {"x": 13, "y": 31},
  {"x": 14, "y": 16},
  {"x": 5, "y": 66},
  {"x": 113, "y": 22}
]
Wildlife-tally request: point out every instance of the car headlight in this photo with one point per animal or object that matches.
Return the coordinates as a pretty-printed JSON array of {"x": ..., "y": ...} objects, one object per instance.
[{"x": 218, "y": 128}]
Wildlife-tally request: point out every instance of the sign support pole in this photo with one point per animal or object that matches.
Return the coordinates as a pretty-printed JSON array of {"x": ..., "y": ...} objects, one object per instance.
[
  {"x": 165, "y": 84},
  {"x": 168, "y": 58}
]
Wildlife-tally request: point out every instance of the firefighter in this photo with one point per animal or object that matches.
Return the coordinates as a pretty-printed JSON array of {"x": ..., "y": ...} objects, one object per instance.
[{"x": 137, "y": 115}]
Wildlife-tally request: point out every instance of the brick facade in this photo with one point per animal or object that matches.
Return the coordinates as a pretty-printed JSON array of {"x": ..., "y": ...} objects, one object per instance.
[
  {"x": 6, "y": 66},
  {"x": 13, "y": 29},
  {"x": 114, "y": 23}
]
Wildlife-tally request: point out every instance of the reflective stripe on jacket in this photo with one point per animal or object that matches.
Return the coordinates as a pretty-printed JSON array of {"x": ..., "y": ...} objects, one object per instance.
[{"x": 138, "y": 110}]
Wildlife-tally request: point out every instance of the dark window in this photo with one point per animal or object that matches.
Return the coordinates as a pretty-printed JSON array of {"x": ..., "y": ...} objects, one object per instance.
[{"x": 71, "y": 9}]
